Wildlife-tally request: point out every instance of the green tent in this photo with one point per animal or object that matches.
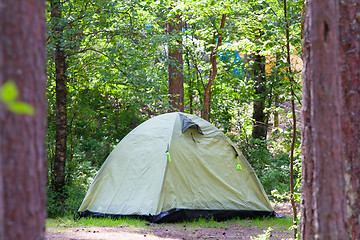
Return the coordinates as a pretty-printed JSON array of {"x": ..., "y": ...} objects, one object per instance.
[{"x": 176, "y": 166}]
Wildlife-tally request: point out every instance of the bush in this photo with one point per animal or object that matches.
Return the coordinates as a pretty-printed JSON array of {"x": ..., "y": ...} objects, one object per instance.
[
  {"x": 271, "y": 167},
  {"x": 77, "y": 184},
  {"x": 65, "y": 204}
]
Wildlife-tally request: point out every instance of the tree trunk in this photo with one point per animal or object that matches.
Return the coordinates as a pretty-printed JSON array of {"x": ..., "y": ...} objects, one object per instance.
[
  {"x": 175, "y": 67},
  {"x": 276, "y": 93},
  {"x": 276, "y": 113},
  {"x": 22, "y": 142},
  {"x": 289, "y": 72},
  {"x": 349, "y": 12},
  {"x": 205, "y": 111},
  {"x": 58, "y": 175},
  {"x": 259, "y": 116},
  {"x": 190, "y": 87},
  {"x": 307, "y": 212},
  {"x": 331, "y": 125}
]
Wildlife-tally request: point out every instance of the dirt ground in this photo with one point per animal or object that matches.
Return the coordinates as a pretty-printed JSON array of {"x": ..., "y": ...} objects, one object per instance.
[{"x": 168, "y": 231}]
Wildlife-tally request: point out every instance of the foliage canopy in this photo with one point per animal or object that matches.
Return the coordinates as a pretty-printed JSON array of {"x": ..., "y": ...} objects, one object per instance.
[{"x": 116, "y": 66}]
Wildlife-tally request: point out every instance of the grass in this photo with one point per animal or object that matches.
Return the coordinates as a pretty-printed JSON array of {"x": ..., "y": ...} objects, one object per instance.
[
  {"x": 278, "y": 223},
  {"x": 96, "y": 222},
  {"x": 273, "y": 222},
  {"x": 267, "y": 225}
]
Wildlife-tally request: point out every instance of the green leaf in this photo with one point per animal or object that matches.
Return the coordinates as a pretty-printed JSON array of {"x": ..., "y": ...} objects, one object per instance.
[
  {"x": 21, "y": 108},
  {"x": 9, "y": 92}
]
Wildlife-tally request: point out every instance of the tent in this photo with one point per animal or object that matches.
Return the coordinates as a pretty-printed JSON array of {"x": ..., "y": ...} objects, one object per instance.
[{"x": 176, "y": 166}]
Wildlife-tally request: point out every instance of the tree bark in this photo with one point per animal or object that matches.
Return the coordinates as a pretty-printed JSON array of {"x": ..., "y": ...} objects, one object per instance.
[
  {"x": 22, "y": 142},
  {"x": 58, "y": 174},
  {"x": 256, "y": 72},
  {"x": 276, "y": 113},
  {"x": 307, "y": 212},
  {"x": 190, "y": 87},
  {"x": 331, "y": 125},
  {"x": 349, "y": 21},
  {"x": 175, "y": 67},
  {"x": 259, "y": 116},
  {"x": 289, "y": 72},
  {"x": 205, "y": 111}
]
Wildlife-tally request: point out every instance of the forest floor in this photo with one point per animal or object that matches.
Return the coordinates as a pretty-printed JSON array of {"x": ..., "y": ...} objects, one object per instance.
[{"x": 247, "y": 229}]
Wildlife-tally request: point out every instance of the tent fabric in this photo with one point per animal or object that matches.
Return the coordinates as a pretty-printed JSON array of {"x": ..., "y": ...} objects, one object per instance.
[
  {"x": 188, "y": 123},
  {"x": 176, "y": 215},
  {"x": 138, "y": 178}
]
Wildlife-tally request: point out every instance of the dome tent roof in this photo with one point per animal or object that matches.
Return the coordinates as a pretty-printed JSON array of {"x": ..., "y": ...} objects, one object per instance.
[{"x": 172, "y": 167}]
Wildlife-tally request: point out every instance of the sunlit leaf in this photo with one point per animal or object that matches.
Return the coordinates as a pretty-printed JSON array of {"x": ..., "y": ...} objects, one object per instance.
[
  {"x": 9, "y": 92},
  {"x": 21, "y": 108}
]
